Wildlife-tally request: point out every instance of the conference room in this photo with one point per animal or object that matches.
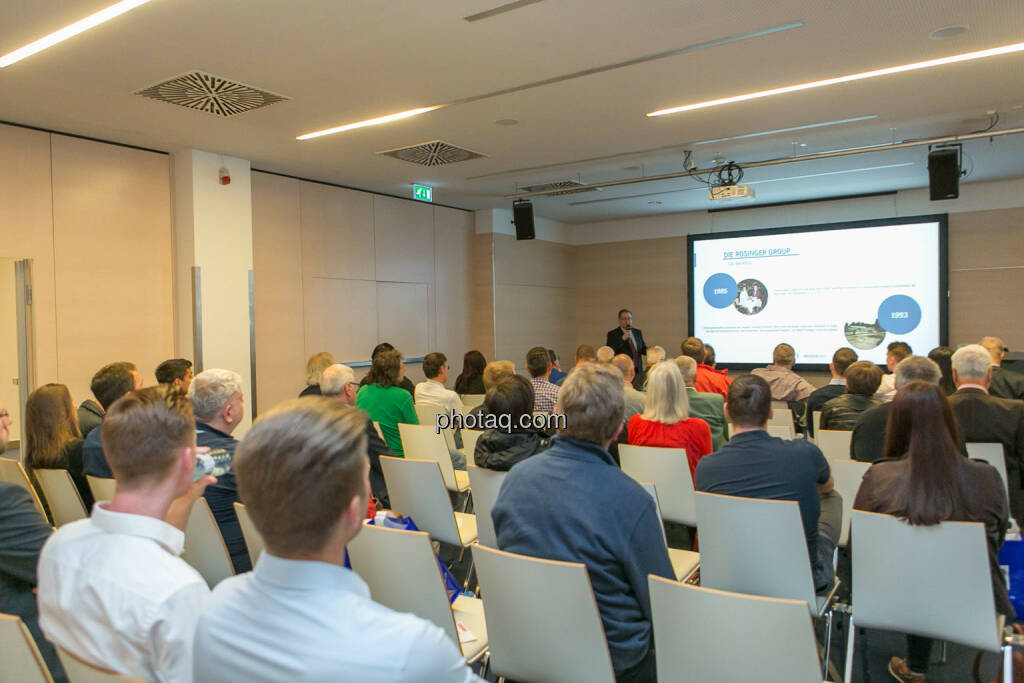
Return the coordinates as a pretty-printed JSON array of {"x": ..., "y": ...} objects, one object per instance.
[{"x": 248, "y": 186}]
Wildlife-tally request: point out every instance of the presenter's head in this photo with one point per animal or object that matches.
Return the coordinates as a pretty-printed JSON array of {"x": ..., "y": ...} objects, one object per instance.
[{"x": 625, "y": 318}]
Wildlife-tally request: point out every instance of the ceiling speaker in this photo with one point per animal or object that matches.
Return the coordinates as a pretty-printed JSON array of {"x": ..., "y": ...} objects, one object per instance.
[
  {"x": 522, "y": 216},
  {"x": 944, "y": 173}
]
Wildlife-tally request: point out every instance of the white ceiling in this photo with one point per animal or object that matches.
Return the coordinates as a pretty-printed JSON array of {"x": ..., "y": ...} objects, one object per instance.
[{"x": 347, "y": 61}]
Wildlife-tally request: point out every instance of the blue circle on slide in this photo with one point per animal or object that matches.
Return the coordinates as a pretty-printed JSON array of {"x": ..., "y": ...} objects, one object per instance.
[
  {"x": 720, "y": 290},
  {"x": 899, "y": 314}
]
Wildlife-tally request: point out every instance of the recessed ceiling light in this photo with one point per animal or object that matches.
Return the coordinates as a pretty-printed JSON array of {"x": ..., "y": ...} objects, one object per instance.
[
  {"x": 368, "y": 122},
  {"x": 70, "y": 31},
  {"x": 803, "y": 144},
  {"x": 967, "y": 56},
  {"x": 506, "y": 122},
  {"x": 947, "y": 32}
]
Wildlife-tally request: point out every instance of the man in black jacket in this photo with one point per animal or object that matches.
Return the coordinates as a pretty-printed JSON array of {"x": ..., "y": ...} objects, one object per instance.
[
  {"x": 868, "y": 441},
  {"x": 1005, "y": 383},
  {"x": 628, "y": 340},
  {"x": 339, "y": 382},
  {"x": 989, "y": 419},
  {"x": 110, "y": 383}
]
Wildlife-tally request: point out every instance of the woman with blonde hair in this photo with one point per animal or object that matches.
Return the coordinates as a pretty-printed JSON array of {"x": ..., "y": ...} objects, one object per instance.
[
  {"x": 315, "y": 367},
  {"x": 52, "y": 439},
  {"x": 666, "y": 420}
]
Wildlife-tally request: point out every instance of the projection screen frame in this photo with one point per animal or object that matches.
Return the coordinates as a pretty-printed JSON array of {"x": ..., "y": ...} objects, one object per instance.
[{"x": 941, "y": 218}]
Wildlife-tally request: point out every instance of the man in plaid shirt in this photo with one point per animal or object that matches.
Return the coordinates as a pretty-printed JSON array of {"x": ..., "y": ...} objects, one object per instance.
[{"x": 545, "y": 394}]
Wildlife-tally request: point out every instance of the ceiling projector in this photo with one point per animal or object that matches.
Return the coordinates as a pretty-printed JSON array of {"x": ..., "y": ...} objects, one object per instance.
[{"x": 726, "y": 192}]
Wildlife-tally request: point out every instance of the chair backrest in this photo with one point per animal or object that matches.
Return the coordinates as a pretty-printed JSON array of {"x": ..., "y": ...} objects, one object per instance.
[
  {"x": 427, "y": 414},
  {"x": 416, "y": 490},
  {"x": 380, "y": 433},
  {"x": 401, "y": 570},
  {"x": 21, "y": 661},
  {"x": 669, "y": 470},
  {"x": 473, "y": 400},
  {"x": 542, "y": 619},
  {"x": 847, "y": 475},
  {"x": 780, "y": 405},
  {"x": 469, "y": 439},
  {"x": 102, "y": 489},
  {"x": 699, "y": 624},
  {"x": 61, "y": 495},
  {"x": 735, "y": 555},
  {"x": 204, "y": 546},
  {"x": 80, "y": 671},
  {"x": 12, "y": 472},
  {"x": 422, "y": 442},
  {"x": 834, "y": 443},
  {"x": 485, "y": 485},
  {"x": 250, "y": 534},
  {"x": 929, "y": 581},
  {"x": 652, "y": 490},
  {"x": 993, "y": 454},
  {"x": 781, "y": 431},
  {"x": 782, "y": 417}
]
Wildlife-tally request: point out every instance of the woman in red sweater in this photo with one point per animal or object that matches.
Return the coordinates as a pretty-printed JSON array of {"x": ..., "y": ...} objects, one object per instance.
[{"x": 666, "y": 422}]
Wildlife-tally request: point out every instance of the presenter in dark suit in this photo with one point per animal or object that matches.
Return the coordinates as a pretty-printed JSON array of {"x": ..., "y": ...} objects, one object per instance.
[{"x": 628, "y": 340}]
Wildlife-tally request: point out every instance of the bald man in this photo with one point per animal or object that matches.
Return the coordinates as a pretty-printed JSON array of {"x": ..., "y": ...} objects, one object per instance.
[{"x": 1005, "y": 383}]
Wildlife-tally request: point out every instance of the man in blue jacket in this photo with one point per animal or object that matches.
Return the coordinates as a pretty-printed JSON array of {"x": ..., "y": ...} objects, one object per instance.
[{"x": 602, "y": 518}]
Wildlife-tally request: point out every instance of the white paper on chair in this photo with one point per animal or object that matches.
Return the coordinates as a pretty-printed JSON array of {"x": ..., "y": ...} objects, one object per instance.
[{"x": 465, "y": 635}]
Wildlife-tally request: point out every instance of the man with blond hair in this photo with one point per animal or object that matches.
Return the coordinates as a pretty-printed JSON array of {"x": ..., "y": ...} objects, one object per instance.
[
  {"x": 785, "y": 384},
  {"x": 1005, "y": 383},
  {"x": 113, "y": 590},
  {"x": 300, "y": 615},
  {"x": 703, "y": 404},
  {"x": 989, "y": 419},
  {"x": 339, "y": 382},
  {"x": 596, "y": 500},
  {"x": 496, "y": 370},
  {"x": 633, "y": 400}
]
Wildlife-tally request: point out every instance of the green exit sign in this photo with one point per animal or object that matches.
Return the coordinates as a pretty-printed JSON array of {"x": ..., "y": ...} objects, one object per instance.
[{"x": 422, "y": 193}]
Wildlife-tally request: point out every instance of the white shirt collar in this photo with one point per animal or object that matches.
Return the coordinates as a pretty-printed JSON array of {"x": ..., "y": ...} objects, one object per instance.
[
  {"x": 972, "y": 386},
  {"x": 171, "y": 538},
  {"x": 308, "y": 574},
  {"x": 434, "y": 381},
  {"x": 838, "y": 380}
]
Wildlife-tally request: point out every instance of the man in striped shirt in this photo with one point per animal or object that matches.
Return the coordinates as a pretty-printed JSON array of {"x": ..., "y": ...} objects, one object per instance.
[{"x": 545, "y": 394}]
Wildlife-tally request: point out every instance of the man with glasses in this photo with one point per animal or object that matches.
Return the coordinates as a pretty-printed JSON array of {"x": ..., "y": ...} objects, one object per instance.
[{"x": 339, "y": 382}]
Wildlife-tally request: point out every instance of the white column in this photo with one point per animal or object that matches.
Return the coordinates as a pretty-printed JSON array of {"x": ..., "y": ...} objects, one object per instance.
[{"x": 213, "y": 265}]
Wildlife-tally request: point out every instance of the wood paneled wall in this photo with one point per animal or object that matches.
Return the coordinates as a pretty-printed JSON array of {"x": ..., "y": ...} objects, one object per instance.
[
  {"x": 95, "y": 219},
  {"x": 339, "y": 270}
]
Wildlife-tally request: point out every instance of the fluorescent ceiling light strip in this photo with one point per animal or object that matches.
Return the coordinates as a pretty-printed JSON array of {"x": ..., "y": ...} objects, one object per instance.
[
  {"x": 369, "y": 122},
  {"x": 787, "y": 130},
  {"x": 91, "y": 21},
  {"x": 941, "y": 61}
]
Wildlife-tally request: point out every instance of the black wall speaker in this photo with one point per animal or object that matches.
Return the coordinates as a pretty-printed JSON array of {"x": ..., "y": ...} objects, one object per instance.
[
  {"x": 522, "y": 216},
  {"x": 944, "y": 174}
]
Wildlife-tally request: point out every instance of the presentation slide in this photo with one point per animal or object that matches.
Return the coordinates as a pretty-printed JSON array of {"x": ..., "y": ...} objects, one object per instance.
[{"x": 818, "y": 289}]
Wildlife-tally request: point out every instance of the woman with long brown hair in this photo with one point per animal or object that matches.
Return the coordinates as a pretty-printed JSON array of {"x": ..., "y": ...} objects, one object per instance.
[
  {"x": 925, "y": 479},
  {"x": 52, "y": 439},
  {"x": 471, "y": 380}
]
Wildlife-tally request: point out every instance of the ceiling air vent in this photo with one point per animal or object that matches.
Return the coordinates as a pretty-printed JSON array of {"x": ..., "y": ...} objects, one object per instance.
[
  {"x": 436, "y": 153},
  {"x": 211, "y": 94},
  {"x": 564, "y": 187}
]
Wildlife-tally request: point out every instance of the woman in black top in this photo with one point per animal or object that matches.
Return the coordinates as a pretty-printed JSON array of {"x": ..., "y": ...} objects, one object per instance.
[
  {"x": 52, "y": 439},
  {"x": 924, "y": 479},
  {"x": 471, "y": 381}
]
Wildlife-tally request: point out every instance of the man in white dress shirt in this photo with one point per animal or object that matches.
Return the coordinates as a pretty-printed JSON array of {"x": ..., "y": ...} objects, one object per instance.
[
  {"x": 433, "y": 391},
  {"x": 300, "y": 615},
  {"x": 112, "y": 588}
]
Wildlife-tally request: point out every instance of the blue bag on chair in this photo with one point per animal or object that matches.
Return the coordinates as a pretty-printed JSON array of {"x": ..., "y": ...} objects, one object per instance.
[
  {"x": 1011, "y": 561},
  {"x": 390, "y": 520}
]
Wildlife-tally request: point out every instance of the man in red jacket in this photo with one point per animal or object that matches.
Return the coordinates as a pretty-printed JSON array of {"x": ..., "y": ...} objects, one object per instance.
[{"x": 708, "y": 379}]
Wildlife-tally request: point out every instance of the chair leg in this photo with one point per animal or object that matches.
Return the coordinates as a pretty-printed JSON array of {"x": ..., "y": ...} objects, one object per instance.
[
  {"x": 828, "y": 643},
  {"x": 945, "y": 648},
  {"x": 848, "y": 668},
  {"x": 469, "y": 574},
  {"x": 1007, "y": 663}
]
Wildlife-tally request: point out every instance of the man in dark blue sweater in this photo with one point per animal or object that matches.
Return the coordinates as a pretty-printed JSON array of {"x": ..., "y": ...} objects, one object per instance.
[
  {"x": 602, "y": 518},
  {"x": 218, "y": 405},
  {"x": 110, "y": 383}
]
